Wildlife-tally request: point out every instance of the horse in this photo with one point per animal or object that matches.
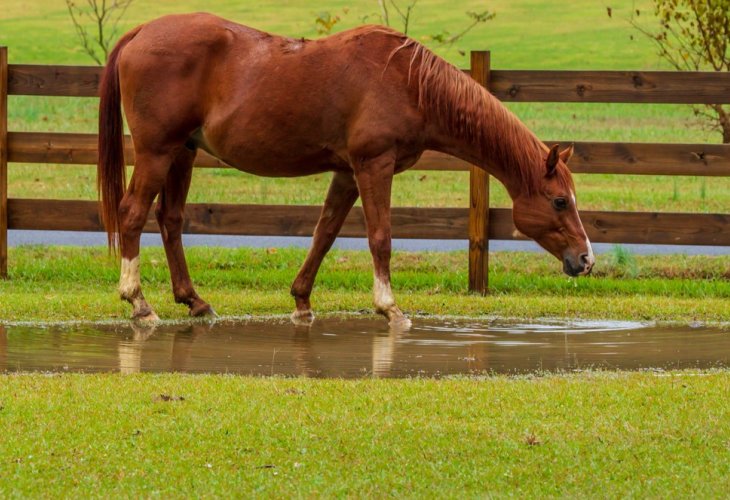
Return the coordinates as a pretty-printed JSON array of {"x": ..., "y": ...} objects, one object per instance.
[{"x": 363, "y": 104}]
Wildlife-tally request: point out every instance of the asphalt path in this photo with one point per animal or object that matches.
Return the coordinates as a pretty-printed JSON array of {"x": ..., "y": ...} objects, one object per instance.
[{"x": 85, "y": 239}]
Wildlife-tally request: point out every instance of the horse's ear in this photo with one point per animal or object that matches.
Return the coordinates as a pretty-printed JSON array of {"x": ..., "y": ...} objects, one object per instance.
[
  {"x": 552, "y": 160},
  {"x": 566, "y": 154}
]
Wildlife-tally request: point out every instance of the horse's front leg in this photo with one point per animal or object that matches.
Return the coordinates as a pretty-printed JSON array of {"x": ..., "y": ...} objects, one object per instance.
[
  {"x": 374, "y": 179},
  {"x": 341, "y": 196}
]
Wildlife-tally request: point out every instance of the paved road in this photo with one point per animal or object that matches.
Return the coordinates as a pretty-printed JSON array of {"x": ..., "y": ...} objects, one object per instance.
[{"x": 17, "y": 237}]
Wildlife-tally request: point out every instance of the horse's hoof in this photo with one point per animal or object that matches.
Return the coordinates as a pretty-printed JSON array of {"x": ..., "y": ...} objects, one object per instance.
[
  {"x": 203, "y": 311},
  {"x": 302, "y": 318},
  {"x": 146, "y": 317},
  {"x": 400, "y": 324}
]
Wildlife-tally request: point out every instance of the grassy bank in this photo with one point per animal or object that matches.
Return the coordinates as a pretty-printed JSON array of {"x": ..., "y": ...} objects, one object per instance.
[
  {"x": 630, "y": 434},
  {"x": 48, "y": 284}
]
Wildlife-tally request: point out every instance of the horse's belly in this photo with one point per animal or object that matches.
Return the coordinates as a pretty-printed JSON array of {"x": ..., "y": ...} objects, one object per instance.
[
  {"x": 273, "y": 168},
  {"x": 261, "y": 147},
  {"x": 273, "y": 162}
]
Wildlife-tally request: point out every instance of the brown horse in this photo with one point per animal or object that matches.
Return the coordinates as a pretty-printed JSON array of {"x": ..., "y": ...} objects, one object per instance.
[{"x": 364, "y": 104}]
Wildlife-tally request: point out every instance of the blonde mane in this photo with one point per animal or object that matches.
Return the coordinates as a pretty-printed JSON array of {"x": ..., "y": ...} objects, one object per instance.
[{"x": 468, "y": 112}]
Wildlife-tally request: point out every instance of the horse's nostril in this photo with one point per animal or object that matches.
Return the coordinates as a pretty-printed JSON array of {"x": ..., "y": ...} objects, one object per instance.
[{"x": 586, "y": 259}]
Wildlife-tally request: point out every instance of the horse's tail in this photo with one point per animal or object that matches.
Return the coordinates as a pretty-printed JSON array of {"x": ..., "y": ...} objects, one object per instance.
[{"x": 111, "y": 176}]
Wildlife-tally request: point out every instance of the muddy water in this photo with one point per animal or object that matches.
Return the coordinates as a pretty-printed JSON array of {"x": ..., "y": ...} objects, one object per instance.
[{"x": 357, "y": 347}]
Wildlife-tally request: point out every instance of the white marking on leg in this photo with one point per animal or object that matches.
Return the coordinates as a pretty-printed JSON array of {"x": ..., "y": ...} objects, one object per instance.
[
  {"x": 383, "y": 295},
  {"x": 385, "y": 304},
  {"x": 129, "y": 281},
  {"x": 130, "y": 289}
]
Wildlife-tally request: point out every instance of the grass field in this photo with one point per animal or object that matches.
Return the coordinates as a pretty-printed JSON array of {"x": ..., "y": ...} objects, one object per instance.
[
  {"x": 525, "y": 33},
  {"x": 52, "y": 284},
  {"x": 580, "y": 36},
  {"x": 589, "y": 435}
]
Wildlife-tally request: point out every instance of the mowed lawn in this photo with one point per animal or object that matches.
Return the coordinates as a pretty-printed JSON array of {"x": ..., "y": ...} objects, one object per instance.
[
  {"x": 177, "y": 436},
  {"x": 578, "y": 36}
]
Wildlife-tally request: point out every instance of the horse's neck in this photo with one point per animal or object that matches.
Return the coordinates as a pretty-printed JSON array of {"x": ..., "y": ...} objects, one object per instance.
[{"x": 504, "y": 147}]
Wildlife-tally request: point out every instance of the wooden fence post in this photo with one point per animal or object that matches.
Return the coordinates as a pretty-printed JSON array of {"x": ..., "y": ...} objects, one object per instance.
[
  {"x": 479, "y": 198},
  {"x": 3, "y": 162}
]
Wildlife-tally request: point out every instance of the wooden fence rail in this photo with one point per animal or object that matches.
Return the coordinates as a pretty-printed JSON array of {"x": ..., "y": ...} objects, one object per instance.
[{"x": 477, "y": 222}]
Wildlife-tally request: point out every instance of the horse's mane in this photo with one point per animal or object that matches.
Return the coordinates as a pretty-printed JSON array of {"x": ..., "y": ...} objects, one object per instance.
[{"x": 467, "y": 111}]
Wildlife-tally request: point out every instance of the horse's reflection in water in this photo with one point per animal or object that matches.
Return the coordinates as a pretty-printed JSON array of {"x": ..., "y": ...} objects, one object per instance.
[
  {"x": 308, "y": 361},
  {"x": 130, "y": 350},
  {"x": 300, "y": 353},
  {"x": 176, "y": 355},
  {"x": 384, "y": 347},
  {"x": 3, "y": 349}
]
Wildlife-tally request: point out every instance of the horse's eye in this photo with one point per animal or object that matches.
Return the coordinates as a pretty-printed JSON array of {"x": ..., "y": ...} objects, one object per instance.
[{"x": 560, "y": 203}]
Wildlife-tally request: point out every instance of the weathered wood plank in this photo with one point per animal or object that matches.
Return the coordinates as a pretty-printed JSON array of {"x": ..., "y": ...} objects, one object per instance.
[
  {"x": 657, "y": 228},
  {"x": 71, "y": 81},
  {"x": 507, "y": 85},
  {"x": 635, "y": 227},
  {"x": 650, "y": 159},
  {"x": 264, "y": 220},
  {"x": 3, "y": 162},
  {"x": 51, "y": 147},
  {"x": 79, "y": 149},
  {"x": 611, "y": 86},
  {"x": 589, "y": 157},
  {"x": 411, "y": 223}
]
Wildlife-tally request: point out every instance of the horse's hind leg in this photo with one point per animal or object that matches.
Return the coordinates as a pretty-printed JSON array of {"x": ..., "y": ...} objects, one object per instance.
[
  {"x": 169, "y": 213},
  {"x": 341, "y": 196},
  {"x": 149, "y": 176}
]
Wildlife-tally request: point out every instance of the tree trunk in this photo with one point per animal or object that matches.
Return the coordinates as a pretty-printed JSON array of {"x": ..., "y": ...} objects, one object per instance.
[{"x": 723, "y": 118}]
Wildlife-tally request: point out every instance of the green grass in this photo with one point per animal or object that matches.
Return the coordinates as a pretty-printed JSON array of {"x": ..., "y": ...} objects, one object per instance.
[
  {"x": 524, "y": 34},
  {"x": 588, "y": 435},
  {"x": 52, "y": 284}
]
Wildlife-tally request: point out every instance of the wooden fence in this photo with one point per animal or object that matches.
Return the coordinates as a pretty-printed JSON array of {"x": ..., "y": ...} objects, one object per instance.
[{"x": 477, "y": 222}]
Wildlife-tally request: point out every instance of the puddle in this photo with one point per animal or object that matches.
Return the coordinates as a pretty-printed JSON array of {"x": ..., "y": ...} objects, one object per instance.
[{"x": 361, "y": 347}]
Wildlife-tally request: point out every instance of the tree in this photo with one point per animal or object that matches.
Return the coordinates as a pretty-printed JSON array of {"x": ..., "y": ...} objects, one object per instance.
[
  {"x": 693, "y": 35},
  {"x": 102, "y": 18}
]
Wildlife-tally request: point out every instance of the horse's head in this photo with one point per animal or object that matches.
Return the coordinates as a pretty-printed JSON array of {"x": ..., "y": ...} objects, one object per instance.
[{"x": 549, "y": 216}]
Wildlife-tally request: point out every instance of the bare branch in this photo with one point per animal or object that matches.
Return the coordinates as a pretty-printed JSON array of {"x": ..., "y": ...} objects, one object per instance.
[
  {"x": 104, "y": 17},
  {"x": 384, "y": 12}
]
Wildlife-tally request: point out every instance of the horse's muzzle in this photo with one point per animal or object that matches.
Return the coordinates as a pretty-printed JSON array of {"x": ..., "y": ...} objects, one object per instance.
[{"x": 579, "y": 267}]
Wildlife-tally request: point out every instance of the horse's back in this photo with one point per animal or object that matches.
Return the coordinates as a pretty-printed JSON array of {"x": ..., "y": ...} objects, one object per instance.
[{"x": 257, "y": 99}]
